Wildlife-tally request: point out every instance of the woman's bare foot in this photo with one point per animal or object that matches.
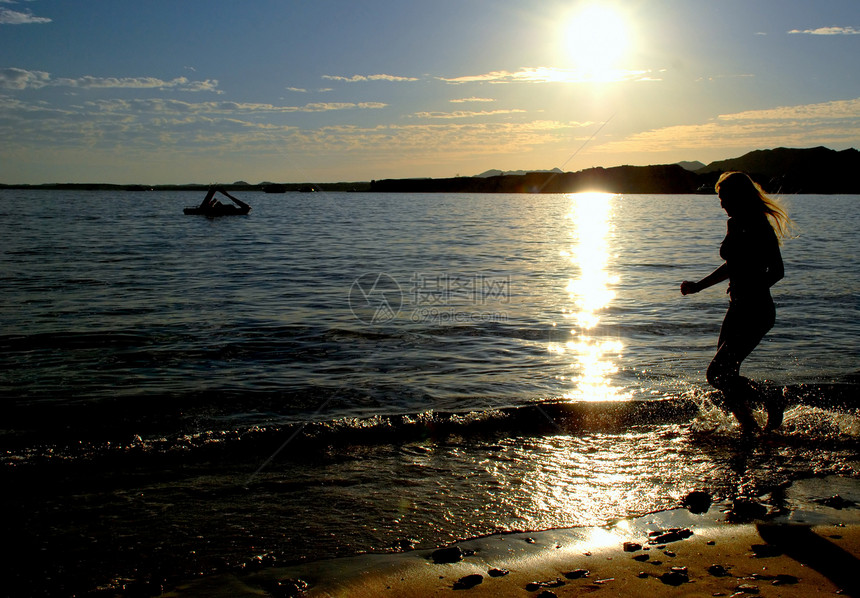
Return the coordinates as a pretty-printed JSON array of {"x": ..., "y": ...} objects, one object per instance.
[
  {"x": 775, "y": 411},
  {"x": 744, "y": 415}
]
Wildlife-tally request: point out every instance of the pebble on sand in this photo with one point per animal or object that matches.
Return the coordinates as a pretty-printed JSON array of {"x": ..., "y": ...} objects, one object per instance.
[
  {"x": 454, "y": 554},
  {"x": 718, "y": 571},
  {"x": 675, "y": 576},
  {"x": 469, "y": 581},
  {"x": 747, "y": 588},
  {"x": 665, "y": 536}
]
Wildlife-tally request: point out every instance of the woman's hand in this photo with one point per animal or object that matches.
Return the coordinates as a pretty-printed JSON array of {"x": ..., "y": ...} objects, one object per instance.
[{"x": 688, "y": 287}]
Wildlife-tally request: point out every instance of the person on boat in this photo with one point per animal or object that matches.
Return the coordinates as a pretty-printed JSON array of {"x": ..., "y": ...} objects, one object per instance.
[
  {"x": 752, "y": 265},
  {"x": 209, "y": 202}
]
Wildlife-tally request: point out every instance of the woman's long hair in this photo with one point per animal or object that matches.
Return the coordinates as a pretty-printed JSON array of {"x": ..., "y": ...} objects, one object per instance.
[{"x": 750, "y": 197}]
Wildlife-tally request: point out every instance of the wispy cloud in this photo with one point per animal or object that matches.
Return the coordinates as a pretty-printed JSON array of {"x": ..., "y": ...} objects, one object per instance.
[
  {"x": 466, "y": 113},
  {"x": 170, "y": 127},
  {"x": 177, "y": 107},
  {"x": 826, "y": 123},
  {"x": 17, "y": 17},
  {"x": 444, "y": 142},
  {"x": 719, "y": 77},
  {"x": 552, "y": 75},
  {"x": 305, "y": 90},
  {"x": 359, "y": 78},
  {"x": 836, "y": 110},
  {"x": 827, "y": 31},
  {"x": 327, "y": 106},
  {"x": 465, "y": 100},
  {"x": 19, "y": 79},
  {"x": 14, "y": 78}
]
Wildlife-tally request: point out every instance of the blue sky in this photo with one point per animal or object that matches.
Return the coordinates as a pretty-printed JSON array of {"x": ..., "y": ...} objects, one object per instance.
[{"x": 320, "y": 91}]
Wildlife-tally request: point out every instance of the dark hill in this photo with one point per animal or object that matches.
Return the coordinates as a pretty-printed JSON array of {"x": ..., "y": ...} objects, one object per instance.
[
  {"x": 785, "y": 170},
  {"x": 780, "y": 170},
  {"x": 667, "y": 178}
]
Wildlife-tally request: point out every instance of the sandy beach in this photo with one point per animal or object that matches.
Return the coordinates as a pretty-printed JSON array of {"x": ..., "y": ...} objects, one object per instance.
[{"x": 807, "y": 547}]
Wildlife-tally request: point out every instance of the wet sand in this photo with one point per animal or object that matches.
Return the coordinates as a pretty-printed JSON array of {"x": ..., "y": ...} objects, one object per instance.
[{"x": 812, "y": 550}]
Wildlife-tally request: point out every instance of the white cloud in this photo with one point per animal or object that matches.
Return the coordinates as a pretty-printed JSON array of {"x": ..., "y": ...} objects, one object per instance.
[
  {"x": 465, "y": 113},
  {"x": 14, "y": 17},
  {"x": 552, "y": 75},
  {"x": 169, "y": 106},
  {"x": 165, "y": 126},
  {"x": 15, "y": 78},
  {"x": 327, "y": 106},
  {"x": 836, "y": 110},
  {"x": 826, "y": 123},
  {"x": 719, "y": 77},
  {"x": 828, "y": 31},
  {"x": 448, "y": 142},
  {"x": 358, "y": 78},
  {"x": 464, "y": 100}
]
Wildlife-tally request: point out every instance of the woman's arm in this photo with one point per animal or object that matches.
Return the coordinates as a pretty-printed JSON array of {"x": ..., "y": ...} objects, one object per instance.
[
  {"x": 774, "y": 271},
  {"x": 715, "y": 277}
]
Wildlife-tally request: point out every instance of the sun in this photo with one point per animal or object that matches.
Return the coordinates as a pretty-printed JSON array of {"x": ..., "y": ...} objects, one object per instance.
[{"x": 595, "y": 39}]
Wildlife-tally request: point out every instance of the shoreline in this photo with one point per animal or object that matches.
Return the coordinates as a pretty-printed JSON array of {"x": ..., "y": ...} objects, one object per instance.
[{"x": 812, "y": 547}]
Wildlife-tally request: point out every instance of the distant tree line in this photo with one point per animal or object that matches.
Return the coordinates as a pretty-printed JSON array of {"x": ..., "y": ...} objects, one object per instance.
[{"x": 780, "y": 170}]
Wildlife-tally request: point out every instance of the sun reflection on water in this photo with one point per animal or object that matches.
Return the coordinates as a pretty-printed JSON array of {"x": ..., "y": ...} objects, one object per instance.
[{"x": 590, "y": 293}]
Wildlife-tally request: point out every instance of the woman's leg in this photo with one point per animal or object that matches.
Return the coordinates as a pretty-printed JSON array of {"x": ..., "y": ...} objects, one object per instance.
[
  {"x": 739, "y": 393},
  {"x": 743, "y": 328}
]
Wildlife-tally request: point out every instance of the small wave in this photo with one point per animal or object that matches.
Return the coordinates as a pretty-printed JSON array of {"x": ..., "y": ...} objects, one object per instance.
[
  {"x": 237, "y": 425},
  {"x": 537, "y": 419}
]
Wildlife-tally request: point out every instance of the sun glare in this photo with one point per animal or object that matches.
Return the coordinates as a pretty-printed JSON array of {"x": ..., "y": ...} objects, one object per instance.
[
  {"x": 590, "y": 293},
  {"x": 595, "y": 40}
]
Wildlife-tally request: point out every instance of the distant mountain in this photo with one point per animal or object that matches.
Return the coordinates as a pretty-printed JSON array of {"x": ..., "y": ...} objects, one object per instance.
[
  {"x": 780, "y": 170},
  {"x": 787, "y": 170},
  {"x": 692, "y": 166},
  {"x": 666, "y": 178},
  {"x": 491, "y": 173}
]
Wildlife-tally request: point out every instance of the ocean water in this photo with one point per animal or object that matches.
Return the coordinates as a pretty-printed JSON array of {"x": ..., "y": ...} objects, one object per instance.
[{"x": 352, "y": 372}]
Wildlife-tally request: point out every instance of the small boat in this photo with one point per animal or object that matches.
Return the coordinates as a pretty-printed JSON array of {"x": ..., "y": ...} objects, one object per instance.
[
  {"x": 212, "y": 207},
  {"x": 219, "y": 210}
]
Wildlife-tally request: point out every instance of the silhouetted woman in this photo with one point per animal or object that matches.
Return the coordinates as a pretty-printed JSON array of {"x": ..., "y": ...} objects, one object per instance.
[{"x": 752, "y": 265}]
